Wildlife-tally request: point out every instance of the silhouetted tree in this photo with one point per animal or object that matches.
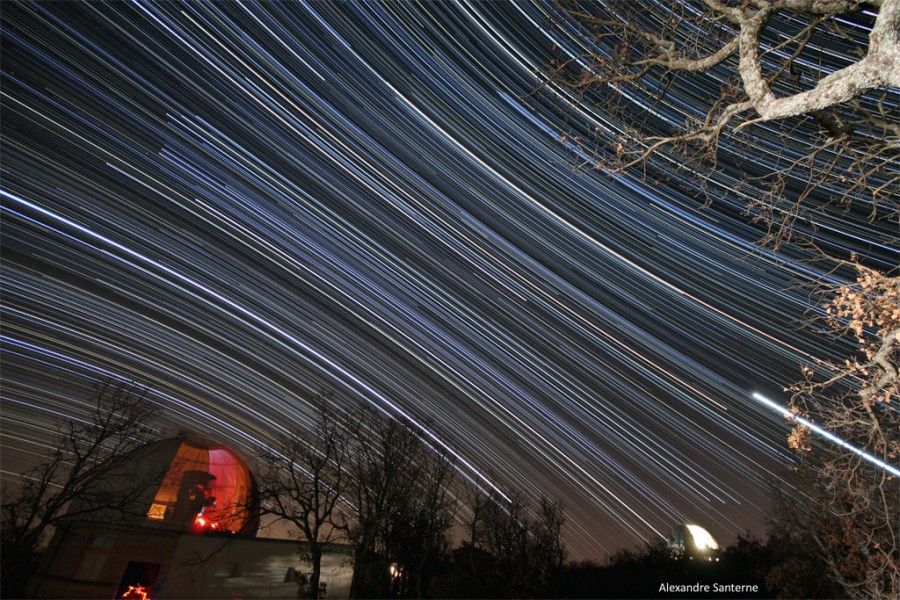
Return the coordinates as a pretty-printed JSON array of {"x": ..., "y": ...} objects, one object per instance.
[
  {"x": 468, "y": 572},
  {"x": 510, "y": 554},
  {"x": 420, "y": 525},
  {"x": 836, "y": 129},
  {"x": 794, "y": 566},
  {"x": 400, "y": 491},
  {"x": 505, "y": 532},
  {"x": 302, "y": 481},
  {"x": 549, "y": 552},
  {"x": 847, "y": 508},
  {"x": 85, "y": 478}
]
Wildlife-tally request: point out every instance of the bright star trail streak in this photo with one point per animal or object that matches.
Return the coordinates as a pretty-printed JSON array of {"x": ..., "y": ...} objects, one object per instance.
[
  {"x": 239, "y": 205},
  {"x": 828, "y": 435}
]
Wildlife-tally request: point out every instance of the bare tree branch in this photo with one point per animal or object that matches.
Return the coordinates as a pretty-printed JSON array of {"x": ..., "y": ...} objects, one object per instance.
[
  {"x": 85, "y": 478},
  {"x": 302, "y": 482},
  {"x": 850, "y": 160}
]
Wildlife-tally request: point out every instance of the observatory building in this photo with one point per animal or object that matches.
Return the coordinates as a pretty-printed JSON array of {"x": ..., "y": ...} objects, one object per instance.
[
  {"x": 205, "y": 487},
  {"x": 693, "y": 542},
  {"x": 190, "y": 530}
]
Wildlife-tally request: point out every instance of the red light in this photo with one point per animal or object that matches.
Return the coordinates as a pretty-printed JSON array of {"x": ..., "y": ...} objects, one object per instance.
[
  {"x": 136, "y": 592},
  {"x": 202, "y": 524}
]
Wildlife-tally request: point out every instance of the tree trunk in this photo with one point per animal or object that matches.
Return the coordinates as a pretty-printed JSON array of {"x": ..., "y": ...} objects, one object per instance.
[
  {"x": 357, "y": 567},
  {"x": 315, "y": 557}
]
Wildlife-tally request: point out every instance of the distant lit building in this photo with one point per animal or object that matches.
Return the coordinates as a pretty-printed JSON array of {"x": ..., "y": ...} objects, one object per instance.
[
  {"x": 693, "y": 542},
  {"x": 191, "y": 534}
]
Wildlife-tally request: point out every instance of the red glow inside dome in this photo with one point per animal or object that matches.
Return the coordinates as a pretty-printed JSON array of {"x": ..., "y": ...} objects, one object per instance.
[{"x": 206, "y": 488}]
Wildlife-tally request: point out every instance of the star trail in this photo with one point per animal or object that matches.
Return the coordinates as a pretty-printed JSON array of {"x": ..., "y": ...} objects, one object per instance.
[{"x": 239, "y": 205}]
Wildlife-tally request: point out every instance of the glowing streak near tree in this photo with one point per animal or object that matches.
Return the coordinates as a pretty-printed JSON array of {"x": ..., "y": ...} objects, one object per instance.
[{"x": 828, "y": 435}]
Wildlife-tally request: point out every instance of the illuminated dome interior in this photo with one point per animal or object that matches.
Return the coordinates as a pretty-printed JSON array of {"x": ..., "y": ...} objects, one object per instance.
[
  {"x": 702, "y": 539},
  {"x": 206, "y": 487},
  {"x": 691, "y": 540}
]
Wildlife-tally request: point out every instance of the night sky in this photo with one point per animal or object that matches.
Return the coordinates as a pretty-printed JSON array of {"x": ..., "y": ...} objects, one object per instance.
[{"x": 238, "y": 206}]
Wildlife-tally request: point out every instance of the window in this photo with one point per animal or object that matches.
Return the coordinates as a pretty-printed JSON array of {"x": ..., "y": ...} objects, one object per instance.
[
  {"x": 157, "y": 512},
  {"x": 137, "y": 580}
]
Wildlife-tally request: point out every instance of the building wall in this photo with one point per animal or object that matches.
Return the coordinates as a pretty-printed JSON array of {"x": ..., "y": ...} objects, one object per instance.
[
  {"x": 208, "y": 567},
  {"x": 90, "y": 561}
]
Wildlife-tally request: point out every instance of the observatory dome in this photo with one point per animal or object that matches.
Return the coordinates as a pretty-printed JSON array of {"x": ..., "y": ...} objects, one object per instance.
[
  {"x": 196, "y": 485},
  {"x": 692, "y": 540}
]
